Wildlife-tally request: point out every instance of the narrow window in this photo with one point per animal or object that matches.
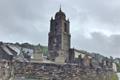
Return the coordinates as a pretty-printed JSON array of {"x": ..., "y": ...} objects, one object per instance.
[
  {"x": 56, "y": 26},
  {"x": 65, "y": 27}
]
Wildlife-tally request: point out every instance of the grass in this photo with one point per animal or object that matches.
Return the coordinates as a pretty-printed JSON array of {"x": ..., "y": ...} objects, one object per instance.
[{"x": 115, "y": 77}]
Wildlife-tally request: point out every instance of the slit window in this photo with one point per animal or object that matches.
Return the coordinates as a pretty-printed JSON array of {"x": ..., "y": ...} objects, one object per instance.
[{"x": 65, "y": 27}]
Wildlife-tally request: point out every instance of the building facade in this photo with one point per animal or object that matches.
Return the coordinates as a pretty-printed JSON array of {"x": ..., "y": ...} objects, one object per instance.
[{"x": 59, "y": 38}]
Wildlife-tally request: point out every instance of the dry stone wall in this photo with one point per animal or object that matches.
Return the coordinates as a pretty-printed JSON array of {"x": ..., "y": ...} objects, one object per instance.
[{"x": 63, "y": 72}]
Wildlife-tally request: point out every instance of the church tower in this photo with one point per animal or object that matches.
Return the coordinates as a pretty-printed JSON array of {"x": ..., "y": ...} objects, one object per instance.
[{"x": 59, "y": 38}]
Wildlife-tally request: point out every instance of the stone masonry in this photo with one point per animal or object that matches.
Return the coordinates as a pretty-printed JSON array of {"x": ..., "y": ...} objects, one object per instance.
[
  {"x": 48, "y": 71},
  {"x": 59, "y": 38}
]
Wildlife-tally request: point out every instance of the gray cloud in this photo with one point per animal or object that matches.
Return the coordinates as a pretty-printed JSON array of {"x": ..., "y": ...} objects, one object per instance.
[
  {"x": 94, "y": 24},
  {"x": 100, "y": 43}
]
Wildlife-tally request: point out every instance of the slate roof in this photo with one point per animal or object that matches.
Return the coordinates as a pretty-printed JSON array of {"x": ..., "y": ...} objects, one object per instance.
[{"x": 6, "y": 52}]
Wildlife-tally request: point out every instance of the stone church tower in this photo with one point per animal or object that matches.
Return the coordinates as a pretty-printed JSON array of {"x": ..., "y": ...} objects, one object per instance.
[{"x": 59, "y": 38}]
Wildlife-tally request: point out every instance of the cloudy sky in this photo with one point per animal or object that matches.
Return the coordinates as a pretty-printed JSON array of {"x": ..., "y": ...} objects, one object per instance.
[{"x": 95, "y": 24}]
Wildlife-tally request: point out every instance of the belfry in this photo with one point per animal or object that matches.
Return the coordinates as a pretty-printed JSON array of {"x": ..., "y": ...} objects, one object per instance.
[{"x": 59, "y": 38}]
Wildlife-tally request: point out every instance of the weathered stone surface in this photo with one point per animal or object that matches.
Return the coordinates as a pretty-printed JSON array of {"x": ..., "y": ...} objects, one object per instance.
[
  {"x": 59, "y": 38},
  {"x": 64, "y": 72}
]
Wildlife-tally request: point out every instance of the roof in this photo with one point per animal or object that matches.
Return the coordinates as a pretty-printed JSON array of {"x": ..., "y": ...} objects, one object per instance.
[
  {"x": 81, "y": 51},
  {"x": 15, "y": 48},
  {"x": 60, "y": 13},
  {"x": 6, "y": 51},
  {"x": 4, "y": 54},
  {"x": 4, "y": 47}
]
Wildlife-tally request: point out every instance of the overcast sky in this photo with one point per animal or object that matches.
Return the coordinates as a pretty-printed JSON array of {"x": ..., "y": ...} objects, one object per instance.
[{"x": 94, "y": 24}]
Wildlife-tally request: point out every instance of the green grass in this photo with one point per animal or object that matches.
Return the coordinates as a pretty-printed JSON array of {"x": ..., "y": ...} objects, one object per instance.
[{"x": 115, "y": 77}]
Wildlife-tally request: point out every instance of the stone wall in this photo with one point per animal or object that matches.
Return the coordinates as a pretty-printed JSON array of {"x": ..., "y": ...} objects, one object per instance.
[
  {"x": 47, "y": 71},
  {"x": 5, "y": 70}
]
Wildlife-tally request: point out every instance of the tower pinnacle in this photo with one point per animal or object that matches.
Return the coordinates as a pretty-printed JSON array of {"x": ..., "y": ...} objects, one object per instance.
[
  {"x": 60, "y": 8},
  {"x": 60, "y": 14}
]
